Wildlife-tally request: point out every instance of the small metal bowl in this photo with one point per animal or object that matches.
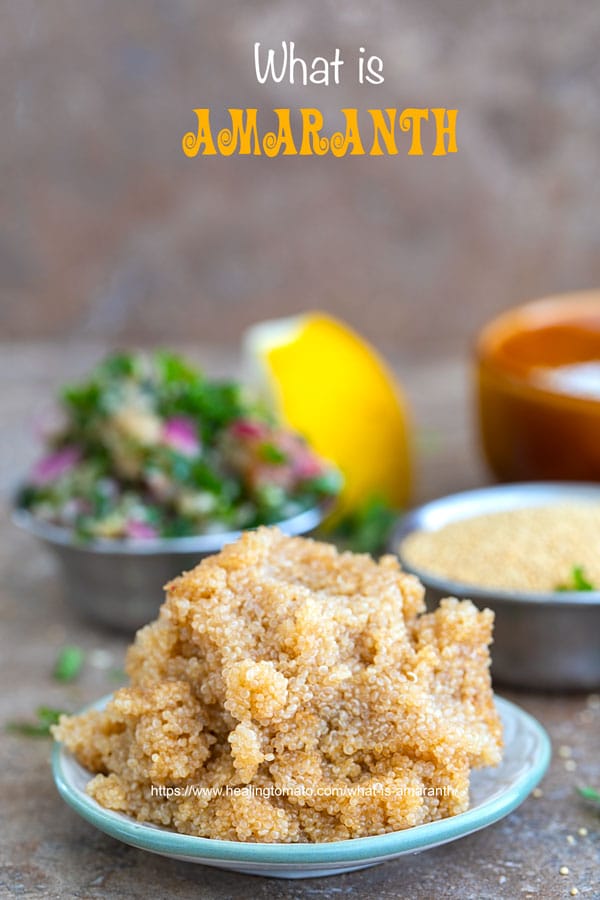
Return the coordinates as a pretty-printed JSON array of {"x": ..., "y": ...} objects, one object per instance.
[
  {"x": 119, "y": 582},
  {"x": 546, "y": 641}
]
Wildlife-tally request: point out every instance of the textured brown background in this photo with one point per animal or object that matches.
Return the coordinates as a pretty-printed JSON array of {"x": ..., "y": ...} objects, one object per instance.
[{"x": 108, "y": 232}]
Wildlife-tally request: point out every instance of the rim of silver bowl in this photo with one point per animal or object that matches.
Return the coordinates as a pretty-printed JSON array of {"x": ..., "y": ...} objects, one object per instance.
[{"x": 212, "y": 542}]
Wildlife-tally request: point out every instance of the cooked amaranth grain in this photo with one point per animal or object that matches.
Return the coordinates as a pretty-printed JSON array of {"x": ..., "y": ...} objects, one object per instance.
[{"x": 288, "y": 692}]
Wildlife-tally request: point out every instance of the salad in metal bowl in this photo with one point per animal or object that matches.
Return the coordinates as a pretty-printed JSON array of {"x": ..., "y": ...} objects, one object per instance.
[{"x": 147, "y": 447}]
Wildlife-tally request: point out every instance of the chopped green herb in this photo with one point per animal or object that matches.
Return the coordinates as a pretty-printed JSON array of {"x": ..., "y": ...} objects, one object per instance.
[
  {"x": 68, "y": 663},
  {"x": 206, "y": 478},
  {"x": 173, "y": 369},
  {"x": 367, "y": 530},
  {"x": 270, "y": 453},
  {"x": 329, "y": 483},
  {"x": 577, "y": 581},
  {"x": 83, "y": 402},
  {"x": 46, "y": 716},
  {"x": 121, "y": 365},
  {"x": 589, "y": 793}
]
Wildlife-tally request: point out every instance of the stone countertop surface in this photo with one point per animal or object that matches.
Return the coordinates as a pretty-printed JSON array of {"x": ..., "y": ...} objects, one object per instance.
[{"x": 48, "y": 851}]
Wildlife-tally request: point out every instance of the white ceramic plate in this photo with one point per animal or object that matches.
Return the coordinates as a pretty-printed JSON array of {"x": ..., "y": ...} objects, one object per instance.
[{"x": 494, "y": 794}]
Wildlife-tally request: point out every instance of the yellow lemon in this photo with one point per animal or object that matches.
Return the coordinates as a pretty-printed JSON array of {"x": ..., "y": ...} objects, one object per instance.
[{"x": 331, "y": 386}]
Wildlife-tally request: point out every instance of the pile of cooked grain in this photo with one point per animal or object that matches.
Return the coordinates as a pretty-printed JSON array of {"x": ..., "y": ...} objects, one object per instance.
[
  {"x": 301, "y": 695},
  {"x": 528, "y": 549}
]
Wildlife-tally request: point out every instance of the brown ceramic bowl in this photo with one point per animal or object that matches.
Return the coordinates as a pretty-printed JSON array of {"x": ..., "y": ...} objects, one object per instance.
[{"x": 538, "y": 382}]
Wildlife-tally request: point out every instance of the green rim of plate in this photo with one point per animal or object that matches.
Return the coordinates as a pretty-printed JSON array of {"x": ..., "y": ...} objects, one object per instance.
[{"x": 162, "y": 841}]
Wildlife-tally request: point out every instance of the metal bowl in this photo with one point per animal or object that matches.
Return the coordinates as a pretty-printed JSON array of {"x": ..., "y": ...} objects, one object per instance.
[
  {"x": 547, "y": 641},
  {"x": 119, "y": 582}
]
